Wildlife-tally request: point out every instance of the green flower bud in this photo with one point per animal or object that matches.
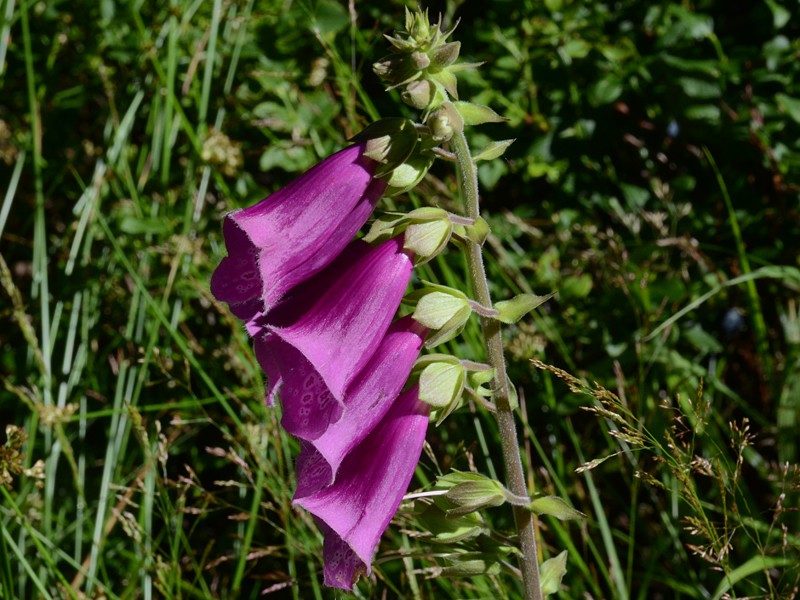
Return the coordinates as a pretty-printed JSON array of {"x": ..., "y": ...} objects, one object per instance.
[
  {"x": 471, "y": 492},
  {"x": 427, "y": 231},
  {"x": 437, "y": 308},
  {"x": 418, "y": 94},
  {"x": 444, "y": 56},
  {"x": 441, "y": 379},
  {"x": 420, "y": 60},
  {"x": 445, "y": 122},
  {"x": 466, "y": 566},
  {"x": 408, "y": 174},
  {"x": 390, "y": 142},
  {"x": 447, "y": 530}
]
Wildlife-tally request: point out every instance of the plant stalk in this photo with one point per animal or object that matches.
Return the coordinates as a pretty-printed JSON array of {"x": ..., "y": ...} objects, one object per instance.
[{"x": 515, "y": 476}]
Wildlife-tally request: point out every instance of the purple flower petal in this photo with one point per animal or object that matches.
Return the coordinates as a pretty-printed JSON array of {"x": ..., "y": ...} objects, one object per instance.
[
  {"x": 366, "y": 401},
  {"x": 358, "y": 506},
  {"x": 316, "y": 356},
  {"x": 294, "y": 233}
]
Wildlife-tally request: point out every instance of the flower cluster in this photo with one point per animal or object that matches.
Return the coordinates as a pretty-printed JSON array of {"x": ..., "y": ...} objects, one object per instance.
[{"x": 320, "y": 308}]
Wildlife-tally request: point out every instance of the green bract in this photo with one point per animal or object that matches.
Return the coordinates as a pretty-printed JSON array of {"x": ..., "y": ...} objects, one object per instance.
[
  {"x": 403, "y": 158},
  {"x": 513, "y": 310}
]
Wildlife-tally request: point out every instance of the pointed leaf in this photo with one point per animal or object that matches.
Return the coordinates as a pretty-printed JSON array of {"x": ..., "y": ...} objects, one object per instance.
[
  {"x": 477, "y": 114},
  {"x": 513, "y": 310},
  {"x": 552, "y": 572},
  {"x": 493, "y": 150},
  {"x": 555, "y": 507}
]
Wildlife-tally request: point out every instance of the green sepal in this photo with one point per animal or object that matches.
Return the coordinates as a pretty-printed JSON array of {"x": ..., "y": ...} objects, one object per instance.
[
  {"x": 477, "y": 232},
  {"x": 493, "y": 150},
  {"x": 409, "y": 173},
  {"x": 478, "y": 379},
  {"x": 441, "y": 308},
  {"x": 441, "y": 380},
  {"x": 464, "y": 66},
  {"x": 444, "y": 530},
  {"x": 477, "y": 114},
  {"x": 554, "y": 507},
  {"x": 470, "y": 564},
  {"x": 390, "y": 142},
  {"x": 447, "y": 79},
  {"x": 513, "y": 310},
  {"x": 427, "y": 239},
  {"x": 471, "y": 492},
  {"x": 436, "y": 308},
  {"x": 552, "y": 571}
]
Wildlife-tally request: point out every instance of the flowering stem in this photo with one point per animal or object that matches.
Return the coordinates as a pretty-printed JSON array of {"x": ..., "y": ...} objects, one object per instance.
[{"x": 515, "y": 476}]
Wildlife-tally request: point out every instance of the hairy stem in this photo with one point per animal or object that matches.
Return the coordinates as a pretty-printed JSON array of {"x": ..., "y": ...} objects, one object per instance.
[{"x": 515, "y": 476}]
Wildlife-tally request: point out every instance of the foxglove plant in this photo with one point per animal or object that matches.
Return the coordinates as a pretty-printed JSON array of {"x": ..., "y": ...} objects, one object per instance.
[{"x": 320, "y": 307}]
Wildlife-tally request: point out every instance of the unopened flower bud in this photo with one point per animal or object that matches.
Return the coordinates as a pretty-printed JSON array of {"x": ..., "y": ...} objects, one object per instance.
[
  {"x": 418, "y": 94},
  {"x": 472, "y": 492},
  {"x": 408, "y": 174},
  {"x": 441, "y": 380},
  {"x": 441, "y": 128},
  {"x": 420, "y": 60},
  {"x": 445, "y": 122},
  {"x": 445, "y": 55}
]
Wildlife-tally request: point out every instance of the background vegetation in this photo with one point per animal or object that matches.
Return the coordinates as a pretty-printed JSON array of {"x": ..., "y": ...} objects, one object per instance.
[{"x": 653, "y": 184}]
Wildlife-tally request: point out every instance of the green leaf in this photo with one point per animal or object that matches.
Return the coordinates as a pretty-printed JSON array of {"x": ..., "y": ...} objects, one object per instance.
[
  {"x": 493, "y": 150},
  {"x": 555, "y": 507},
  {"x": 513, "y": 310},
  {"x": 605, "y": 91},
  {"x": 330, "y": 17},
  {"x": 477, "y": 114},
  {"x": 699, "y": 88},
  {"x": 790, "y": 106},
  {"x": 575, "y": 286},
  {"x": 552, "y": 572},
  {"x": 703, "y": 112},
  {"x": 577, "y": 48}
]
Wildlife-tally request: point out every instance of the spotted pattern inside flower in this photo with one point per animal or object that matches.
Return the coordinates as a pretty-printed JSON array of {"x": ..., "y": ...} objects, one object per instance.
[
  {"x": 237, "y": 279},
  {"x": 313, "y": 472},
  {"x": 342, "y": 566},
  {"x": 308, "y": 404}
]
